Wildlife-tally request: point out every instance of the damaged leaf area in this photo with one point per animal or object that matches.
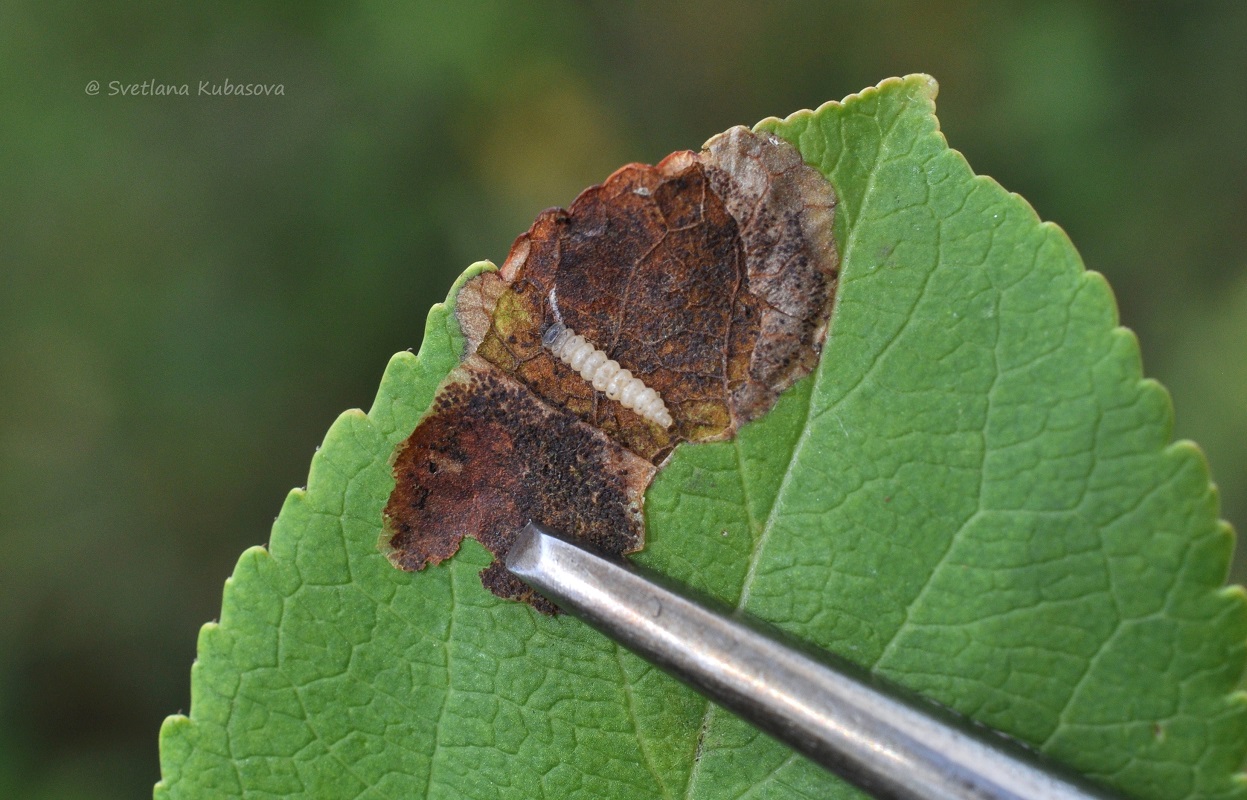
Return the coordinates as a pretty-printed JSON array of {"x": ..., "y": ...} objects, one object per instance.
[
  {"x": 976, "y": 494},
  {"x": 706, "y": 280},
  {"x": 471, "y": 461}
]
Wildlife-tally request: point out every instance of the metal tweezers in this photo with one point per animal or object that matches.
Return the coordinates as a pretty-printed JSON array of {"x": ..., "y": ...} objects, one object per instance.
[{"x": 887, "y": 741}]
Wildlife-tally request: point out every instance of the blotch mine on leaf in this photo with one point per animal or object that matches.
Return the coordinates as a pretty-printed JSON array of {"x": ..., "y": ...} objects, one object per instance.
[
  {"x": 490, "y": 456},
  {"x": 709, "y": 278}
]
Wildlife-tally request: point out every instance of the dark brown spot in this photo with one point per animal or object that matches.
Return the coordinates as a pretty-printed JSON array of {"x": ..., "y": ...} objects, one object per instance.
[
  {"x": 496, "y": 457},
  {"x": 710, "y": 276}
]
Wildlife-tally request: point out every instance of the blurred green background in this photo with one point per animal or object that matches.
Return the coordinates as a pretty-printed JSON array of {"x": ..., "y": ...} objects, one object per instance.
[{"x": 191, "y": 288}]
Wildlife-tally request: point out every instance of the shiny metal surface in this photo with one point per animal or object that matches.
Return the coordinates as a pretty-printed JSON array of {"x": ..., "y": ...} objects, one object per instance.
[{"x": 886, "y": 741}]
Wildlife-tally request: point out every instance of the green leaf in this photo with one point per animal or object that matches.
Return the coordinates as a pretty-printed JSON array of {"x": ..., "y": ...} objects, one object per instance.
[{"x": 975, "y": 495}]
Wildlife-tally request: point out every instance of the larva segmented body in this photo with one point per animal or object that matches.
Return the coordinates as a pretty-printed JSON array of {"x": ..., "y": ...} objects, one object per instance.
[{"x": 605, "y": 374}]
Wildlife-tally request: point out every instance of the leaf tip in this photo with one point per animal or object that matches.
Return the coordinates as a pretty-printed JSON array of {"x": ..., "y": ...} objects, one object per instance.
[{"x": 918, "y": 86}]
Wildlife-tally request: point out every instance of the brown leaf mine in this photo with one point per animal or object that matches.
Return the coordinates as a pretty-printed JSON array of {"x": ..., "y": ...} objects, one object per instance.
[
  {"x": 697, "y": 290},
  {"x": 489, "y": 457}
]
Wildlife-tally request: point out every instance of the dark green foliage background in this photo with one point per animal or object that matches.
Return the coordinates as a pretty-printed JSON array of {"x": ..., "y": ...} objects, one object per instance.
[{"x": 191, "y": 289}]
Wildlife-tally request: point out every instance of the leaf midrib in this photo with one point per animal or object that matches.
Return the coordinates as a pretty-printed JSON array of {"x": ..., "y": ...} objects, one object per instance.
[{"x": 768, "y": 524}]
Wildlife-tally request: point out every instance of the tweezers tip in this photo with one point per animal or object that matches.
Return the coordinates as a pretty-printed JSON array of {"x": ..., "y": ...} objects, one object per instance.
[{"x": 524, "y": 557}]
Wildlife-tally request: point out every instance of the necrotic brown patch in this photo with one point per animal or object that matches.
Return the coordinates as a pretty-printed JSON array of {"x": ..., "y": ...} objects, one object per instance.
[
  {"x": 488, "y": 458},
  {"x": 709, "y": 276}
]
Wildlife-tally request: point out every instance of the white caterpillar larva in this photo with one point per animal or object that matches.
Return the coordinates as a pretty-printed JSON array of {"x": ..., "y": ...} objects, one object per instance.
[{"x": 605, "y": 374}]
